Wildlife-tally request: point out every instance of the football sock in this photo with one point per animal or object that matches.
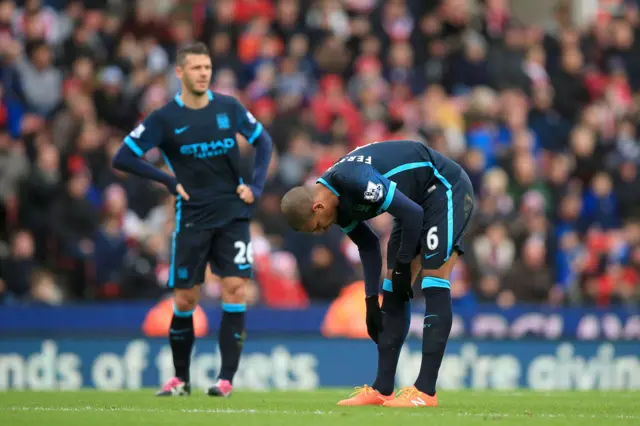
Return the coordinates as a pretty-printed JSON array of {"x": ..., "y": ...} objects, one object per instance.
[
  {"x": 437, "y": 326},
  {"x": 232, "y": 337},
  {"x": 181, "y": 338},
  {"x": 395, "y": 322}
]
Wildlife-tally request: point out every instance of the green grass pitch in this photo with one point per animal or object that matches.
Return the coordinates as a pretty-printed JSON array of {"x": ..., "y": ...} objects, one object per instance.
[{"x": 129, "y": 408}]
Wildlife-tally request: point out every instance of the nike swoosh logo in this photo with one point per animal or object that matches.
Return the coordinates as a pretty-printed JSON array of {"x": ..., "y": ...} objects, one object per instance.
[
  {"x": 174, "y": 331},
  {"x": 244, "y": 267},
  {"x": 429, "y": 256},
  {"x": 181, "y": 130},
  {"x": 429, "y": 316}
]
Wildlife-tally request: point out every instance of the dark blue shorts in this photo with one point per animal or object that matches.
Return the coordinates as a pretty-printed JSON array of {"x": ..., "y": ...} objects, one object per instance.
[
  {"x": 227, "y": 249},
  {"x": 447, "y": 212}
]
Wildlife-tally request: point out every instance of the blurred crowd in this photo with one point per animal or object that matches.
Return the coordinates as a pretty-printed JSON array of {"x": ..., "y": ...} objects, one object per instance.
[{"x": 543, "y": 118}]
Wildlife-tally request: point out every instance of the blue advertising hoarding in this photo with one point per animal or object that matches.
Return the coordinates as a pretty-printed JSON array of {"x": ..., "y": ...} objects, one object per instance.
[
  {"x": 478, "y": 322},
  {"x": 312, "y": 362}
]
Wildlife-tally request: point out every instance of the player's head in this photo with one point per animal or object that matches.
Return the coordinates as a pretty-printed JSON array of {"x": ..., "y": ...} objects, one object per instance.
[
  {"x": 308, "y": 210},
  {"x": 193, "y": 68}
]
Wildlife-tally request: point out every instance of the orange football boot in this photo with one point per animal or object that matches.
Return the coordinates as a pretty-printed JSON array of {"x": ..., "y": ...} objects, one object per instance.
[
  {"x": 410, "y": 397},
  {"x": 365, "y": 395}
]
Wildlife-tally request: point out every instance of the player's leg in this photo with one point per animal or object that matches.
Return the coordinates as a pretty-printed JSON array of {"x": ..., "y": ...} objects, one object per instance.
[
  {"x": 396, "y": 318},
  {"x": 188, "y": 262},
  {"x": 437, "y": 326},
  {"x": 442, "y": 245},
  {"x": 231, "y": 259},
  {"x": 437, "y": 323},
  {"x": 395, "y": 321}
]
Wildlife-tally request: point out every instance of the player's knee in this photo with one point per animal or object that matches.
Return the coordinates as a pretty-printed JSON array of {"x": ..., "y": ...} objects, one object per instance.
[
  {"x": 444, "y": 271},
  {"x": 393, "y": 303},
  {"x": 416, "y": 265},
  {"x": 234, "y": 290},
  {"x": 186, "y": 300},
  {"x": 389, "y": 274},
  {"x": 184, "y": 305}
]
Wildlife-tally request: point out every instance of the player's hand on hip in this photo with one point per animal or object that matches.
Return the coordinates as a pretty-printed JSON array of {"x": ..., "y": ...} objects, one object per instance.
[
  {"x": 401, "y": 280},
  {"x": 181, "y": 192},
  {"x": 374, "y": 318},
  {"x": 245, "y": 193}
]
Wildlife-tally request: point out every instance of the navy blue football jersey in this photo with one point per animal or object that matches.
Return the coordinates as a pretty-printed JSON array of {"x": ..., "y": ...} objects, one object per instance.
[
  {"x": 366, "y": 179},
  {"x": 201, "y": 149}
]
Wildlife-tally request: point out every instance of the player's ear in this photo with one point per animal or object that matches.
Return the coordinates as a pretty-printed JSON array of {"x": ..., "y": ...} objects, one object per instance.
[{"x": 316, "y": 207}]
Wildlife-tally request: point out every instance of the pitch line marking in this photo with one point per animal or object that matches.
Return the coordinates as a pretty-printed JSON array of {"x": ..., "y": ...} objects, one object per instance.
[{"x": 422, "y": 413}]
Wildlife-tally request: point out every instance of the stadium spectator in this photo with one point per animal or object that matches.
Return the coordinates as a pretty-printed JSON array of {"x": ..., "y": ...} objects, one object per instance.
[
  {"x": 38, "y": 193},
  {"x": 74, "y": 222},
  {"x": 14, "y": 166},
  {"x": 18, "y": 267},
  {"x": 543, "y": 120},
  {"x": 530, "y": 280},
  {"x": 492, "y": 253},
  {"x": 41, "y": 82},
  {"x": 110, "y": 243}
]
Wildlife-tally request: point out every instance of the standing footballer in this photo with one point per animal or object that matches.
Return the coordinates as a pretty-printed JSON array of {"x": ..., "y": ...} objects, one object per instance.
[
  {"x": 431, "y": 200},
  {"x": 196, "y": 133}
]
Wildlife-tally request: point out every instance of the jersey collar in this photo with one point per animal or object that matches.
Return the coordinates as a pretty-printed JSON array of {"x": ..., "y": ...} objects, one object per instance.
[{"x": 181, "y": 104}]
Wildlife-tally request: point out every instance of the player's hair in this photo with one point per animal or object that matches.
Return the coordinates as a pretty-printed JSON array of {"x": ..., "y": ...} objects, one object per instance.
[
  {"x": 197, "y": 48},
  {"x": 297, "y": 205}
]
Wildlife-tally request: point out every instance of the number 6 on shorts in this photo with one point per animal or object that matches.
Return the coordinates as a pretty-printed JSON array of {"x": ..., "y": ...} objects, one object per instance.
[
  {"x": 434, "y": 253},
  {"x": 432, "y": 238}
]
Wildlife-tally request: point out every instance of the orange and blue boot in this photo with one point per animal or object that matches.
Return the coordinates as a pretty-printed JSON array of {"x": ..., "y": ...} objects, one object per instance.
[
  {"x": 365, "y": 395},
  {"x": 410, "y": 397}
]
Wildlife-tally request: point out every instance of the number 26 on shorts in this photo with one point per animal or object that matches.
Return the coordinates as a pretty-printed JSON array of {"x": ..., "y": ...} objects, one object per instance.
[{"x": 244, "y": 253}]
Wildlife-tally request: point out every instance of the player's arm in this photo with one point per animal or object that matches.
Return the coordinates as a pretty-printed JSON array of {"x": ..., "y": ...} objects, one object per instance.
[
  {"x": 370, "y": 255},
  {"x": 382, "y": 194},
  {"x": 410, "y": 216},
  {"x": 257, "y": 136},
  {"x": 369, "y": 187},
  {"x": 130, "y": 156}
]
